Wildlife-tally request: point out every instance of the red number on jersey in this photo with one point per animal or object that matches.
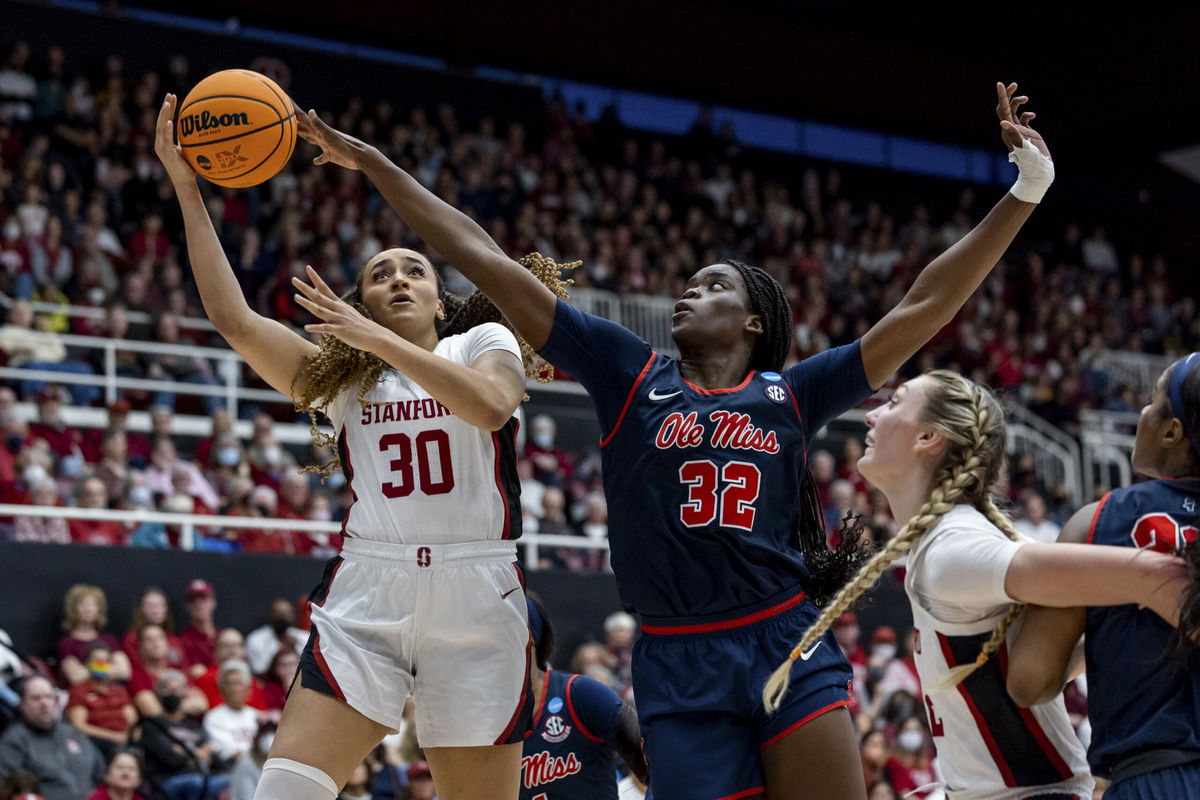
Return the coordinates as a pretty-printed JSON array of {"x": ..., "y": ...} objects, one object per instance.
[
  {"x": 403, "y": 466},
  {"x": 935, "y": 725},
  {"x": 701, "y": 507},
  {"x": 735, "y": 501},
  {"x": 1160, "y": 532}
]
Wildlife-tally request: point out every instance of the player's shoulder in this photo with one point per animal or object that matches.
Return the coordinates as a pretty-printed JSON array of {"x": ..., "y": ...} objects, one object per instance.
[
  {"x": 966, "y": 518},
  {"x": 586, "y": 693}
]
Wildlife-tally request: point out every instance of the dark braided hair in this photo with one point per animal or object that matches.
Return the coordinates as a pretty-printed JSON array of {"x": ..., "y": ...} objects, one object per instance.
[
  {"x": 829, "y": 568},
  {"x": 336, "y": 366}
]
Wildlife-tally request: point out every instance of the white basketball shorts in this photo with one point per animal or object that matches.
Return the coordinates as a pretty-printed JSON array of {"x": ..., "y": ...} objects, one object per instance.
[{"x": 446, "y": 623}]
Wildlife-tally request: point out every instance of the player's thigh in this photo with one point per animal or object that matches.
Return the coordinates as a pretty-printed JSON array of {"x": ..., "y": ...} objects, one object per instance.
[
  {"x": 325, "y": 733},
  {"x": 817, "y": 761},
  {"x": 476, "y": 773}
]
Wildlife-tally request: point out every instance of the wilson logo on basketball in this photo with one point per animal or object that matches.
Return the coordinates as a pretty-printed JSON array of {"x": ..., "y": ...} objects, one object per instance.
[
  {"x": 544, "y": 768},
  {"x": 204, "y": 121}
]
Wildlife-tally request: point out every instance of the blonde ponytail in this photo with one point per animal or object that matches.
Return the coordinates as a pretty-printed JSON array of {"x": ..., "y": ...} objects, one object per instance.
[{"x": 972, "y": 421}]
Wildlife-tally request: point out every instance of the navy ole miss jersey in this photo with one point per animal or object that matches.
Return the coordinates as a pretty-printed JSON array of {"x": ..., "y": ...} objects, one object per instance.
[
  {"x": 1142, "y": 694},
  {"x": 569, "y": 755},
  {"x": 703, "y": 486}
]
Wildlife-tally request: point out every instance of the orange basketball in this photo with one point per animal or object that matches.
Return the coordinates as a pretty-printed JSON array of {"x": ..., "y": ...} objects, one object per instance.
[{"x": 236, "y": 128}]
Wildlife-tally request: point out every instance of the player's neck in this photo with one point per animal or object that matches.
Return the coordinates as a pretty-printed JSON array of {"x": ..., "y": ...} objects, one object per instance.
[
  {"x": 714, "y": 370},
  {"x": 907, "y": 498},
  {"x": 537, "y": 677}
]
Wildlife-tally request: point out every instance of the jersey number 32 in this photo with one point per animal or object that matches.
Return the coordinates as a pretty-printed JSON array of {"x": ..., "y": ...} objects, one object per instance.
[{"x": 726, "y": 493}]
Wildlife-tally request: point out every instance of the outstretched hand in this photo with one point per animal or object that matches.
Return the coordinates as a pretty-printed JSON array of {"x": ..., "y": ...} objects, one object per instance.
[
  {"x": 336, "y": 147},
  {"x": 338, "y": 318},
  {"x": 1014, "y": 123},
  {"x": 170, "y": 153}
]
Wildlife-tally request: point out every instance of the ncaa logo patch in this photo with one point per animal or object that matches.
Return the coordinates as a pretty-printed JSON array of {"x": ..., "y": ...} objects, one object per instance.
[
  {"x": 556, "y": 730},
  {"x": 776, "y": 393},
  {"x": 555, "y": 705},
  {"x": 772, "y": 376}
]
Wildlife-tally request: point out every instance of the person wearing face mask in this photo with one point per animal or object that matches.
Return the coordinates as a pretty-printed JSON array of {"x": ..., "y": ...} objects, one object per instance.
[
  {"x": 151, "y": 535},
  {"x": 178, "y": 752},
  {"x": 910, "y": 768},
  {"x": 100, "y": 707},
  {"x": 247, "y": 771},
  {"x": 279, "y": 631},
  {"x": 551, "y": 465}
]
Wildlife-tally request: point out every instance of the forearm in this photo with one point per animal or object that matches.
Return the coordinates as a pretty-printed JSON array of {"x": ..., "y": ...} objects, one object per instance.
[
  {"x": 219, "y": 290},
  {"x": 945, "y": 284},
  {"x": 1067, "y": 575},
  {"x": 628, "y": 743},
  {"x": 468, "y": 394}
]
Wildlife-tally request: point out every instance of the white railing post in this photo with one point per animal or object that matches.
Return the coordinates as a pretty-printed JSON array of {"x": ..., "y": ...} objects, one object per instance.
[
  {"x": 229, "y": 366},
  {"x": 110, "y": 372},
  {"x": 531, "y": 552},
  {"x": 187, "y": 536}
]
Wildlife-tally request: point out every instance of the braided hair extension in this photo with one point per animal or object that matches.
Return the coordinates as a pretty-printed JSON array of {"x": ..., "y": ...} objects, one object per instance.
[
  {"x": 336, "y": 366},
  {"x": 829, "y": 568},
  {"x": 972, "y": 421}
]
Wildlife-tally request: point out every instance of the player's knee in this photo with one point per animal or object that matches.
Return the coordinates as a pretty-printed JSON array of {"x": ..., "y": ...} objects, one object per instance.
[{"x": 284, "y": 779}]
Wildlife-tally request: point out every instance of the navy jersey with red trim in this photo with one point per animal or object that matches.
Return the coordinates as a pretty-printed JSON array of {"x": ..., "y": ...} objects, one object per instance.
[
  {"x": 1142, "y": 694},
  {"x": 570, "y": 755},
  {"x": 703, "y": 487}
]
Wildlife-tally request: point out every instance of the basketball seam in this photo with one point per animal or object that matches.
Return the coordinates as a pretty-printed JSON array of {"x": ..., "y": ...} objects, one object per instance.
[{"x": 283, "y": 101}]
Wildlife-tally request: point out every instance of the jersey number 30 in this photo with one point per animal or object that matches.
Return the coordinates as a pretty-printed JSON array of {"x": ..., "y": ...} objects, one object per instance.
[
  {"x": 728, "y": 492},
  {"x": 437, "y": 441}
]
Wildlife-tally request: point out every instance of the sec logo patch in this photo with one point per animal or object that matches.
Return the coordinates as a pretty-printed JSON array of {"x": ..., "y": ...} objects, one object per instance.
[
  {"x": 556, "y": 730},
  {"x": 776, "y": 393}
]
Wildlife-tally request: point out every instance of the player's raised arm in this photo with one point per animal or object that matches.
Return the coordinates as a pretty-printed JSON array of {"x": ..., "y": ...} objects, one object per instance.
[
  {"x": 527, "y": 303},
  {"x": 943, "y": 286},
  {"x": 275, "y": 352}
]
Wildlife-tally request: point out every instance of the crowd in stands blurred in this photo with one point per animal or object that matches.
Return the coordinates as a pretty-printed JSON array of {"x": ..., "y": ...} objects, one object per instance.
[
  {"x": 87, "y": 218},
  {"x": 194, "y": 704}
]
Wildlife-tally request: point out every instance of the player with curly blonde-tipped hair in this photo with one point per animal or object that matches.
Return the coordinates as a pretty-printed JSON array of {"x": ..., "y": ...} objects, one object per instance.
[
  {"x": 426, "y": 597},
  {"x": 936, "y": 450}
]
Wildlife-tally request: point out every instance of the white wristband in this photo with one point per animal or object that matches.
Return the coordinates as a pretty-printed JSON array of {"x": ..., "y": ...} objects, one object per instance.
[{"x": 1036, "y": 173}]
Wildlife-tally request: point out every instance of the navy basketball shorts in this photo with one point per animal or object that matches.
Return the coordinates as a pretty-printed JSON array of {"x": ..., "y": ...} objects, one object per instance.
[
  {"x": 698, "y": 688},
  {"x": 1178, "y": 783},
  {"x": 445, "y": 623}
]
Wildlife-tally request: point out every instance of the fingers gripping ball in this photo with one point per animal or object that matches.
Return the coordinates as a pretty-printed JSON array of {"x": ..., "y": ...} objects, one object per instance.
[{"x": 236, "y": 128}]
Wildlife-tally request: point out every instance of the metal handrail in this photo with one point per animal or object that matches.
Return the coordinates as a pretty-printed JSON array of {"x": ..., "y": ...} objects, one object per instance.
[
  {"x": 188, "y": 522},
  {"x": 95, "y": 312}
]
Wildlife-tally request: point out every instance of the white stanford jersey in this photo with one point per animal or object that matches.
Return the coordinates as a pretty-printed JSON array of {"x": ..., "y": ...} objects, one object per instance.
[
  {"x": 988, "y": 746},
  {"x": 419, "y": 474}
]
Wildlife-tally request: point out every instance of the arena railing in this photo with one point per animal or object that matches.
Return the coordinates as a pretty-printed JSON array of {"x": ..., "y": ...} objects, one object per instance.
[
  {"x": 1056, "y": 454},
  {"x": 1107, "y": 438},
  {"x": 95, "y": 312},
  {"x": 187, "y": 524},
  {"x": 1139, "y": 370}
]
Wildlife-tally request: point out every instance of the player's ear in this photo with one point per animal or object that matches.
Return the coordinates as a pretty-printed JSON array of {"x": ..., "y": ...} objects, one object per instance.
[
  {"x": 440, "y": 313},
  {"x": 754, "y": 324},
  {"x": 931, "y": 442}
]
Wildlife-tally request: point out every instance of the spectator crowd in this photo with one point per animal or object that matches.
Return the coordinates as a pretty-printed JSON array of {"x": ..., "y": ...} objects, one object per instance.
[{"x": 88, "y": 219}]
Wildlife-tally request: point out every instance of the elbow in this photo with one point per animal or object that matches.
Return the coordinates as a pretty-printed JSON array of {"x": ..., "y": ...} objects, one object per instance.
[
  {"x": 496, "y": 418},
  {"x": 1027, "y": 688}
]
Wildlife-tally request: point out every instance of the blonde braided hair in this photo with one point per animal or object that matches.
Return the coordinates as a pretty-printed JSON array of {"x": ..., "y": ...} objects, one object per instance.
[
  {"x": 337, "y": 366},
  {"x": 972, "y": 421}
]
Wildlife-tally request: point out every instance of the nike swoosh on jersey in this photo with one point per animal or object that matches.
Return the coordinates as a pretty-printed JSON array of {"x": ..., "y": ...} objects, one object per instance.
[
  {"x": 807, "y": 654},
  {"x": 654, "y": 395},
  {"x": 506, "y": 594}
]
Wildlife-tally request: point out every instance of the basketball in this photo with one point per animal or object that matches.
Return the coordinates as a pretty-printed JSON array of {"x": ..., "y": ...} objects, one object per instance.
[{"x": 236, "y": 128}]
